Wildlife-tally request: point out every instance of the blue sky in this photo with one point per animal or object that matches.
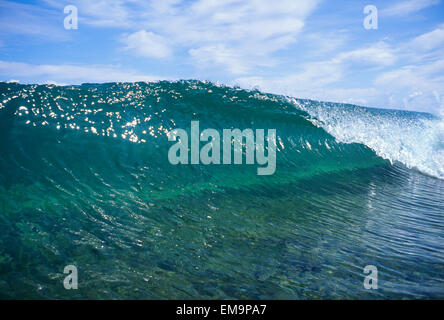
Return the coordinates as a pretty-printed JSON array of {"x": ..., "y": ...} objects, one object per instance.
[{"x": 303, "y": 48}]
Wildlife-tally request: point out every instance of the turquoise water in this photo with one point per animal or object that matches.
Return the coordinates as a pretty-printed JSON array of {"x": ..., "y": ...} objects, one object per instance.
[{"x": 85, "y": 180}]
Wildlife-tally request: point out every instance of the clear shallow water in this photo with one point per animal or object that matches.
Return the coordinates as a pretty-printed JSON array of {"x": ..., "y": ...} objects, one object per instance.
[{"x": 85, "y": 180}]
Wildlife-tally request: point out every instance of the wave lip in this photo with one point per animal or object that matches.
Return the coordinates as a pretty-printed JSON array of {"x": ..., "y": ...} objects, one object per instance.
[{"x": 414, "y": 139}]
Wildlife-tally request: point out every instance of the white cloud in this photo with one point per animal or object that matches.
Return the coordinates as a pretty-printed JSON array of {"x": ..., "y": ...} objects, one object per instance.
[
  {"x": 405, "y": 8},
  {"x": 233, "y": 34},
  {"x": 101, "y": 13},
  {"x": 317, "y": 74},
  {"x": 248, "y": 32},
  {"x": 310, "y": 88},
  {"x": 430, "y": 40},
  {"x": 412, "y": 83},
  {"x": 147, "y": 44},
  {"x": 26, "y": 19},
  {"x": 72, "y": 74},
  {"x": 377, "y": 54},
  {"x": 417, "y": 83},
  {"x": 425, "y": 77},
  {"x": 321, "y": 73},
  {"x": 219, "y": 54},
  {"x": 325, "y": 42},
  {"x": 308, "y": 83}
]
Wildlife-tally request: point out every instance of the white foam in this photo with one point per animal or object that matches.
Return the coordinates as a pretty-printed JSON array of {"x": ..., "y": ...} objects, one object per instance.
[{"x": 416, "y": 140}]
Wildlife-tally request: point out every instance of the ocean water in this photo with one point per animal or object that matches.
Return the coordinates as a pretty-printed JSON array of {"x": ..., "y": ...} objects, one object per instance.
[{"x": 85, "y": 180}]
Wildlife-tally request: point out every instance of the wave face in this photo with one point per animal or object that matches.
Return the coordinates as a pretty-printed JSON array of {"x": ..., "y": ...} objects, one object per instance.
[{"x": 85, "y": 180}]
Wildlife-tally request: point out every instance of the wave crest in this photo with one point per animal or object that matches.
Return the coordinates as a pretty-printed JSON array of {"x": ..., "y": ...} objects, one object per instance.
[{"x": 414, "y": 139}]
